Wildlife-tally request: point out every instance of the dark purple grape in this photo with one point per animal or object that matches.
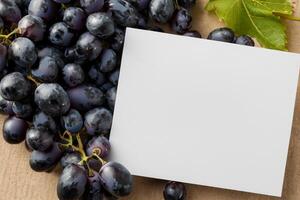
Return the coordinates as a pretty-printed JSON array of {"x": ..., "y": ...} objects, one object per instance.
[
  {"x": 116, "y": 179},
  {"x": 88, "y": 45},
  {"x": 98, "y": 120},
  {"x": 75, "y": 18},
  {"x": 72, "y": 55},
  {"x": 6, "y": 106},
  {"x": 22, "y": 52},
  {"x": 91, "y": 6},
  {"x": 108, "y": 61},
  {"x": 62, "y": 1},
  {"x": 41, "y": 161},
  {"x": 14, "y": 87},
  {"x": 94, "y": 189},
  {"x": 73, "y": 74},
  {"x": 22, "y": 109},
  {"x": 106, "y": 86},
  {"x": 245, "y": 40},
  {"x": 111, "y": 97},
  {"x": 193, "y": 33},
  {"x": 222, "y": 34},
  {"x": 71, "y": 183},
  {"x": 39, "y": 139},
  {"x": 174, "y": 191},
  {"x": 84, "y": 97},
  {"x": 32, "y": 27},
  {"x": 60, "y": 34},
  {"x": 52, "y": 99},
  {"x": 186, "y": 3},
  {"x": 53, "y": 53},
  {"x": 161, "y": 10},
  {"x": 42, "y": 120},
  {"x": 99, "y": 145},
  {"x": 96, "y": 76},
  {"x": 14, "y": 130},
  {"x": 70, "y": 158},
  {"x": 123, "y": 13},
  {"x": 95, "y": 164},
  {"x": 100, "y": 24},
  {"x": 72, "y": 121},
  {"x": 45, "y": 9},
  {"x": 117, "y": 40},
  {"x": 10, "y": 12},
  {"x": 181, "y": 21},
  {"x": 114, "y": 77},
  {"x": 3, "y": 56},
  {"x": 46, "y": 71}
]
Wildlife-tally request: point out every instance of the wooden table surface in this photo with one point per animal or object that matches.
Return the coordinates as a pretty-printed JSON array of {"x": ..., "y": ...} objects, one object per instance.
[{"x": 19, "y": 182}]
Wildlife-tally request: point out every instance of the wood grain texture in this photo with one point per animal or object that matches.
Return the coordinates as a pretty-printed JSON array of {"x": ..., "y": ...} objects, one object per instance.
[{"x": 19, "y": 182}]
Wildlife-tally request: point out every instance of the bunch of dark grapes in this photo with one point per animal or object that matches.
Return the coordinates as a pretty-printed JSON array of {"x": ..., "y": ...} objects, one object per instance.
[{"x": 59, "y": 69}]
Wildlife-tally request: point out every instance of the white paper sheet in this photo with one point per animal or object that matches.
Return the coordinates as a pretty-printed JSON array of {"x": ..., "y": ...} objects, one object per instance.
[{"x": 204, "y": 112}]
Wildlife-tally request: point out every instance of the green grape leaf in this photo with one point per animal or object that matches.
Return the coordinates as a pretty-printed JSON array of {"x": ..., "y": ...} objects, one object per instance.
[{"x": 258, "y": 18}]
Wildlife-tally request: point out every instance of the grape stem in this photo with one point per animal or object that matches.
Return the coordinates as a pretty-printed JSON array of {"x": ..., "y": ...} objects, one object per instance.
[
  {"x": 37, "y": 83},
  {"x": 68, "y": 138},
  {"x": 7, "y": 36}
]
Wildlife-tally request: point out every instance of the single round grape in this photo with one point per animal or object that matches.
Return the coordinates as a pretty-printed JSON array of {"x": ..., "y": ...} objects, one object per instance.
[
  {"x": 14, "y": 87},
  {"x": 47, "y": 70},
  {"x": 60, "y": 34},
  {"x": 111, "y": 97},
  {"x": 53, "y": 53},
  {"x": 123, "y": 13},
  {"x": 3, "y": 56},
  {"x": 222, "y": 34},
  {"x": 71, "y": 183},
  {"x": 114, "y": 77},
  {"x": 45, "y": 9},
  {"x": 22, "y": 52},
  {"x": 91, "y": 6},
  {"x": 116, "y": 179},
  {"x": 6, "y": 106},
  {"x": 106, "y": 86},
  {"x": 70, "y": 158},
  {"x": 39, "y": 139},
  {"x": 73, "y": 74},
  {"x": 95, "y": 164},
  {"x": 98, "y": 145},
  {"x": 89, "y": 46},
  {"x": 32, "y": 27},
  {"x": 75, "y": 18},
  {"x": 62, "y": 1},
  {"x": 174, "y": 191},
  {"x": 52, "y": 99},
  {"x": 22, "y": 109},
  {"x": 41, "y": 161},
  {"x": 161, "y": 10},
  {"x": 42, "y": 120},
  {"x": 192, "y": 33},
  {"x": 14, "y": 130},
  {"x": 84, "y": 97},
  {"x": 108, "y": 61},
  {"x": 186, "y": 3},
  {"x": 94, "y": 189},
  {"x": 10, "y": 12},
  {"x": 72, "y": 121},
  {"x": 181, "y": 21},
  {"x": 117, "y": 40},
  {"x": 98, "y": 120},
  {"x": 245, "y": 40},
  {"x": 100, "y": 24},
  {"x": 95, "y": 76}
]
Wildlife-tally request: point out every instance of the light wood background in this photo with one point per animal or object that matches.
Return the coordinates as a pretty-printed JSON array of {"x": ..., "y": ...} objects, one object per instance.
[{"x": 19, "y": 182}]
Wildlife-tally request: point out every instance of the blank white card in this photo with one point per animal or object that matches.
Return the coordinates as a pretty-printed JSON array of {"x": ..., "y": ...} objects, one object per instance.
[{"x": 204, "y": 112}]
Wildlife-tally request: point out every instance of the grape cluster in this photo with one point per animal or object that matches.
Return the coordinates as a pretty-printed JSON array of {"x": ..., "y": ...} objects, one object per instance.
[{"x": 59, "y": 69}]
